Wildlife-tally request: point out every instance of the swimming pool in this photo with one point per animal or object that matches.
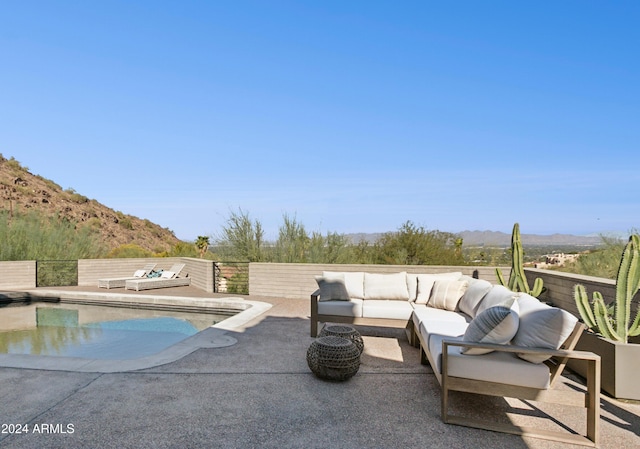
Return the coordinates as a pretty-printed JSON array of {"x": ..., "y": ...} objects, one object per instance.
[
  {"x": 115, "y": 332},
  {"x": 95, "y": 331}
]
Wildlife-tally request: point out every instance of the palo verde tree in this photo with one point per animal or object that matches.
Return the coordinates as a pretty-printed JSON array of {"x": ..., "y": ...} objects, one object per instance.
[
  {"x": 293, "y": 241},
  {"x": 242, "y": 238},
  {"x": 414, "y": 245}
]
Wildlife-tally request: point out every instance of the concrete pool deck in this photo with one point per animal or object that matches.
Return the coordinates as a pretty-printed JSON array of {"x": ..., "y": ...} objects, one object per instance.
[{"x": 260, "y": 393}]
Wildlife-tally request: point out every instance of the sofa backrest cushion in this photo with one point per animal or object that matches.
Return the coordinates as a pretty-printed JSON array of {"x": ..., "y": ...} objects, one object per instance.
[
  {"x": 477, "y": 290},
  {"x": 541, "y": 326},
  {"x": 353, "y": 280},
  {"x": 332, "y": 288},
  {"x": 425, "y": 284},
  {"x": 386, "y": 286},
  {"x": 446, "y": 294},
  {"x": 497, "y": 325},
  {"x": 498, "y": 294}
]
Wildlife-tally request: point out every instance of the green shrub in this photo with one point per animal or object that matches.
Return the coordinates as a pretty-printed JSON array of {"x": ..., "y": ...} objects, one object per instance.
[
  {"x": 129, "y": 250},
  {"x": 32, "y": 236}
]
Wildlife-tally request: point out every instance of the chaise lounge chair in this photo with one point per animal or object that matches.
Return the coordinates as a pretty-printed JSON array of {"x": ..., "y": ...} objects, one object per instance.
[
  {"x": 169, "y": 278},
  {"x": 120, "y": 282}
]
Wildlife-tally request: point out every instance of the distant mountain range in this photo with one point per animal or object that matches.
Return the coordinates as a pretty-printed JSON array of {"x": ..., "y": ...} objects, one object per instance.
[{"x": 501, "y": 239}]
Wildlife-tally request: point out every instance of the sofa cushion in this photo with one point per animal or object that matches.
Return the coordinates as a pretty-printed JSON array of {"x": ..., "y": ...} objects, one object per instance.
[
  {"x": 426, "y": 313},
  {"x": 541, "y": 326},
  {"x": 500, "y": 367},
  {"x": 426, "y": 281},
  {"x": 332, "y": 288},
  {"x": 351, "y": 308},
  {"x": 445, "y": 294},
  {"x": 497, "y": 325},
  {"x": 498, "y": 294},
  {"x": 477, "y": 290},
  {"x": 394, "y": 310},
  {"x": 354, "y": 281},
  {"x": 386, "y": 286}
]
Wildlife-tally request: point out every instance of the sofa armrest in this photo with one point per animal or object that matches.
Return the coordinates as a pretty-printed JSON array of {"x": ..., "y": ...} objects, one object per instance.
[
  {"x": 590, "y": 399},
  {"x": 315, "y": 297},
  {"x": 581, "y": 355}
]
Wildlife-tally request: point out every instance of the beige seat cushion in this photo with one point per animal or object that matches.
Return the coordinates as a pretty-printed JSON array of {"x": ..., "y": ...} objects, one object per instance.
[{"x": 352, "y": 307}]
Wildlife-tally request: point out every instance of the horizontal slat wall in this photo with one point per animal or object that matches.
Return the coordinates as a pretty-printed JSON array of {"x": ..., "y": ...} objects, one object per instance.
[
  {"x": 201, "y": 273},
  {"x": 560, "y": 287},
  {"x": 18, "y": 274},
  {"x": 296, "y": 281}
]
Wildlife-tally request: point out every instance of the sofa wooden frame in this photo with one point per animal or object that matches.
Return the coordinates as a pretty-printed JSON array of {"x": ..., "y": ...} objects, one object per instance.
[
  {"x": 590, "y": 399},
  {"x": 317, "y": 318}
]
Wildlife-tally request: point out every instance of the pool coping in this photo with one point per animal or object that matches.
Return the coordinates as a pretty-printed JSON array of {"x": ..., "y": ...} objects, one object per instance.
[{"x": 215, "y": 336}]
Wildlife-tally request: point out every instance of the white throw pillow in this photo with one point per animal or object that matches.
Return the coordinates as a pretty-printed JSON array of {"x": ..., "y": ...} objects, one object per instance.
[
  {"x": 447, "y": 294},
  {"x": 425, "y": 284},
  {"x": 167, "y": 274},
  {"x": 139, "y": 274},
  {"x": 541, "y": 326},
  {"x": 353, "y": 280},
  {"x": 386, "y": 286},
  {"x": 332, "y": 288},
  {"x": 478, "y": 289},
  {"x": 497, "y": 325}
]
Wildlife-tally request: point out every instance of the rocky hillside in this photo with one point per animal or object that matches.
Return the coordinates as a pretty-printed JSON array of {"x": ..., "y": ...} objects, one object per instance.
[{"x": 21, "y": 191}]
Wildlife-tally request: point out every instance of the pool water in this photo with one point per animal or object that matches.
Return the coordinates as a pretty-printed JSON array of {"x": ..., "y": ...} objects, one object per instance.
[{"x": 95, "y": 332}]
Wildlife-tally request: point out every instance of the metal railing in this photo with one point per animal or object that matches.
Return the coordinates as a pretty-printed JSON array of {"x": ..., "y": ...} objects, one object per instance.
[{"x": 231, "y": 277}]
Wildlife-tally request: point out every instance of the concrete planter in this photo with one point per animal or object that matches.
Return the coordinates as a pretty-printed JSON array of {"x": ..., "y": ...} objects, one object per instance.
[{"x": 620, "y": 365}]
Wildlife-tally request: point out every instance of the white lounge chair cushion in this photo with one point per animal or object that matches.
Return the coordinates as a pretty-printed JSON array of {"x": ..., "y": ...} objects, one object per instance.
[
  {"x": 446, "y": 294},
  {"x": 500, "y": 367},
  {"x": 541, "y": 326},
  {"x": 140, "y": 274},
  {"x": 426, "y": 281},
  {"x": 351, "y": 308},
  {"x": 167, "y": 274},
  {"x": 392, "y": 286},
  {"x": 332, "y": 288},
  {"x": 497, "y": 324},
  {"x": 477, "y": 290},
  {"x": 354, "y": 282},
  {"x": 395, "y": 310}
]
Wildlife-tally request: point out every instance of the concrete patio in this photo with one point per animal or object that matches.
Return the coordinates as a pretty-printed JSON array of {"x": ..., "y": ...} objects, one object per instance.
[{"x": 259, "y": 392}]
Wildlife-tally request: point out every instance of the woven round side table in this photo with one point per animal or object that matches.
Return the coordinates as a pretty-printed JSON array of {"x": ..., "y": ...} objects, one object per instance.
[
  {"x": 333, "y": 358},
  {"x": 344, "y": 331}
]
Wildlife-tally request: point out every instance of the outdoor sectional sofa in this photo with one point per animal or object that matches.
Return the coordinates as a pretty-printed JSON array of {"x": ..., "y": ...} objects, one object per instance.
[{"x": 477, "y": 337}]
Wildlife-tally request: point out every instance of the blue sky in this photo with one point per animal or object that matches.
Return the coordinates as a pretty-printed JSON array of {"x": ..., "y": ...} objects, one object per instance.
[{"x": 351, "y": 116}]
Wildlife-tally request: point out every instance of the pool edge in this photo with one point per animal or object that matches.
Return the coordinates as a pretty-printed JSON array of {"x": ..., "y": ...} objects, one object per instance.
[{"x": 212, "y": 337}]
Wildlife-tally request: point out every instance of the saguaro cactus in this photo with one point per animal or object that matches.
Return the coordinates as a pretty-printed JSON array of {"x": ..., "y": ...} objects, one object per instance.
[
  {"x": 614, "y": 321},
  {"x": 517, "y": 279}
]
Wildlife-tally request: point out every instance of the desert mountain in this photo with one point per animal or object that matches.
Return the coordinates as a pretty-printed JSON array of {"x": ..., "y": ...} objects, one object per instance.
[
  {"x": 22, "y": 191},
  {"x": 501, "y": 239}
]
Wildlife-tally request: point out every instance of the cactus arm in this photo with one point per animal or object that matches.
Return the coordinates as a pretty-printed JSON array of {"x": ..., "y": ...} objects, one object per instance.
[
  {"x": 538, "y": 287},
  {"x": 634, "y": 329},
  {"x": 500, "y": 277},
  {"x": 517, "y": 253},
  {"x": 627, "y": 283},
  {"x": 584, "y": 307},
  {"x": 603, "y": 319}
]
